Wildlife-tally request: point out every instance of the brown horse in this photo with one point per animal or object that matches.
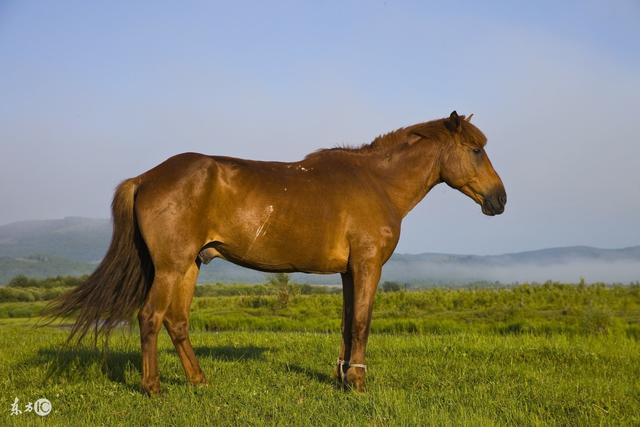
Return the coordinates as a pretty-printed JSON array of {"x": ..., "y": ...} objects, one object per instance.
[{"x": 338, "y": 210}]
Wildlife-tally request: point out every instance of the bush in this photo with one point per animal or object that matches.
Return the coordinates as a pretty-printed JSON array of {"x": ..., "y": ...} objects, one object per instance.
[
  {"x": 20, "y": 309},
  {"x": 286, "y": 291},
  {"x": 50, "y": 282},
  {"x": 633, "y": 331},
  {"x": 595, "y": 320},
  {"x": 388, "y": 286},
  {"x": 220, "y": 289},
  {"x": 257, "y": 301},
  {"x": 10, "y": 295},
  {"x": 19, "y": 282}
]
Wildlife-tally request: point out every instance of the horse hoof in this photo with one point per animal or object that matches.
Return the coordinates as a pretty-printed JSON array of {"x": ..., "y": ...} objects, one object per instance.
[
  {"x": 358, "y": 387},
  {"x": 355, "y": 380},
  {"x": 152, "y": 388},
  {"x": 199, "y": 380}
]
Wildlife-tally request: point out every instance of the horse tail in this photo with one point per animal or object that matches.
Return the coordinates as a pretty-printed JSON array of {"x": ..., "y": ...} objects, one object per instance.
[{"x": 119, "y": 286}]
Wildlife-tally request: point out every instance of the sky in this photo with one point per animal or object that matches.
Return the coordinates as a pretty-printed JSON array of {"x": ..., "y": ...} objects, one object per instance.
[{"x": 92, "y": 93}]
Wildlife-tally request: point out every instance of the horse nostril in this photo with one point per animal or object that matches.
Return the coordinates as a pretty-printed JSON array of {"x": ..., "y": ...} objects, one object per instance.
[{"x": 503, "y": 199}]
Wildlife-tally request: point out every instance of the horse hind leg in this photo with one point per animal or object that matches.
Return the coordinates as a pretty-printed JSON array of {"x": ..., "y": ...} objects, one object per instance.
[
  {"x": 150, "y": 318},
  {"x": 176, "y": 321},
  {"x": 171, "y": 237}
]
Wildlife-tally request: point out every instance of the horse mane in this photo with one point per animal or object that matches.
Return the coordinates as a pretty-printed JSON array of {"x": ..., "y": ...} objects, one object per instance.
[
  {"x": 385, "y": 140},
  {"x": 431, "y": 129}
]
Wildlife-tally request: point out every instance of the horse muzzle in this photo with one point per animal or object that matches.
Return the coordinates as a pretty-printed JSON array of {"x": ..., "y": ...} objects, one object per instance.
[{"x": 494, "y": 203}]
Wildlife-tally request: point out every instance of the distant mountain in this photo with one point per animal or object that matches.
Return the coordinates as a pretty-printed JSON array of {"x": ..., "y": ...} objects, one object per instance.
[
  {"x": 75, "y": 238},
  {"x": 74, "y": 245}
]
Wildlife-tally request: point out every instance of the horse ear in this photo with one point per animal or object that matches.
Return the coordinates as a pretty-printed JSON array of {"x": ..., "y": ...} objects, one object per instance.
[
  {"x": 453, "y": 122},
  {"x": 468, "y": 118}
]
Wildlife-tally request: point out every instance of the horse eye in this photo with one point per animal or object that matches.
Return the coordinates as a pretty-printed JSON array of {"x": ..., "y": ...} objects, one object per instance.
[{"x": 477, "y": 150}]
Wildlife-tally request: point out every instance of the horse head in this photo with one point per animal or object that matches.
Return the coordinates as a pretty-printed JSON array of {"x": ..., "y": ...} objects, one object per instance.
[{"x": 465, "y": 165}]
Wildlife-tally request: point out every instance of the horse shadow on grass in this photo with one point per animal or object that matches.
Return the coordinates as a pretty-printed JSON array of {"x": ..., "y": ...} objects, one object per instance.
[
  {"x": 231, "y": 353},
  {"x": 312, "y": 374},
  {"x": 71, "y": 363}
]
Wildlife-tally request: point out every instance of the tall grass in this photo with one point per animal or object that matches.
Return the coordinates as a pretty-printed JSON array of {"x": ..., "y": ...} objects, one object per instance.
[{"x": 551, "y": 308}]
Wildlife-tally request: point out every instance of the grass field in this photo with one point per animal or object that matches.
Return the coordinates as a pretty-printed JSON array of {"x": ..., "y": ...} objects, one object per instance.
[{"x": 531, "y": 356}]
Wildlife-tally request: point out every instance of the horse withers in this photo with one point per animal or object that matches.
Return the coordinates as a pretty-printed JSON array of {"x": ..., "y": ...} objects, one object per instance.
[{"x": 338, "y": 210}]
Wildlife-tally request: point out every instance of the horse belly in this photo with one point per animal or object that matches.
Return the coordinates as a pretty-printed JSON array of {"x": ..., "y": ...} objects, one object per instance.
[
  {"x": 271, "y": 257},
  {"x": 281, "y": 243}
]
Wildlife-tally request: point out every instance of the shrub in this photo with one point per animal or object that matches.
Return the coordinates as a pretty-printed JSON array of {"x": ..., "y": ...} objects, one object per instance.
[
  {"x": 259, "y": 301},
  {"x": 10, "y": 295},
  {"x": 388, "y": 286},
  {"x": 633, "y": 331},
  {"x": 50, "y": 282},
  {"x": 595, "y": 320},
  {"x": 286, "y": 291}
]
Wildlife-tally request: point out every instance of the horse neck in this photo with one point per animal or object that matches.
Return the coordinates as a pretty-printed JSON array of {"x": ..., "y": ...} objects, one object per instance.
[{"x": 409, "y": 172}]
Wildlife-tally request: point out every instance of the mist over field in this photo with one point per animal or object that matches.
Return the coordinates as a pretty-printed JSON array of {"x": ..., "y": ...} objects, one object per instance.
[{"x": 567, "y": 272}]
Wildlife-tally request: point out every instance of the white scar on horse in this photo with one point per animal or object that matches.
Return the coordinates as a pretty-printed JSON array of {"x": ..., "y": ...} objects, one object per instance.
[{"x": 262, "y": 229}]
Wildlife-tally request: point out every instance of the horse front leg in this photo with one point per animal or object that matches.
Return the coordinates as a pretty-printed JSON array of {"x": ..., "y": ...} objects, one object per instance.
[
  {"x": 347, "y": 320},
  {"x": 366, "y": 275}
]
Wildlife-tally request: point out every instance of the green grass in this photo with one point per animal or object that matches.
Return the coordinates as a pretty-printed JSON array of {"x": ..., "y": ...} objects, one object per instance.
[
  {"x": 283, "y": 378},
  {"x": 553, "y": 355}
]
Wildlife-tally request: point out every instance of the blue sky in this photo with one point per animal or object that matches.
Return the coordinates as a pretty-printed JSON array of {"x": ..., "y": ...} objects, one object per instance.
[{"x": 93, "y": 93}]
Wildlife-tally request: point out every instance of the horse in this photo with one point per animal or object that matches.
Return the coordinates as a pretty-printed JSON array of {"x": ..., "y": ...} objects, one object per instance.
[{"x": 339, "y": 210}]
